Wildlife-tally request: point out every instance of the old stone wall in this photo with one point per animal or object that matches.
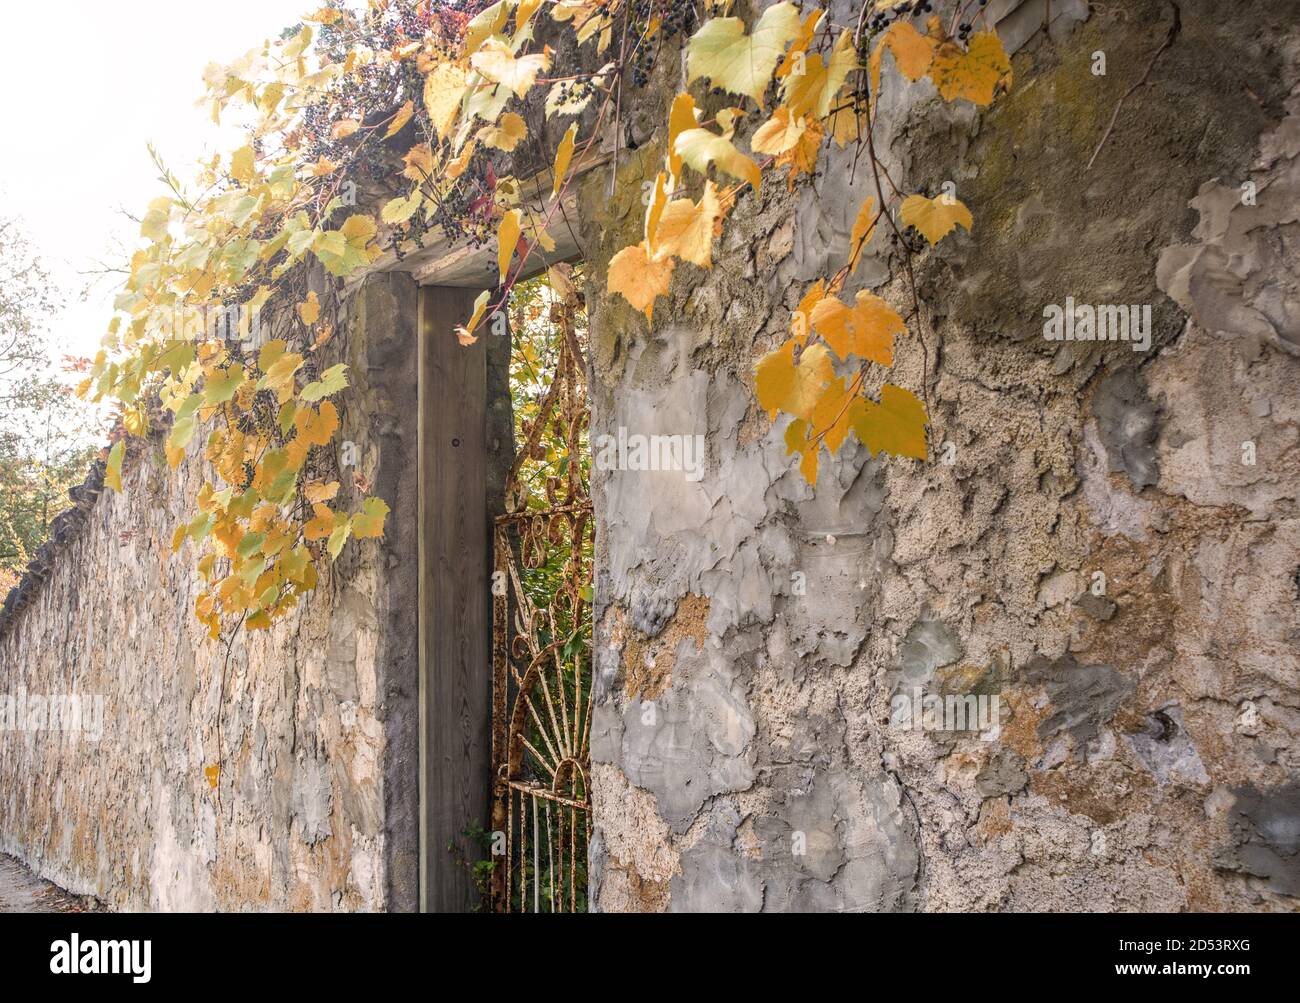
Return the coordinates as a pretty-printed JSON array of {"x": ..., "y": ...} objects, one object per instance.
[
  {"x": 1104, "y": 540},
  {"x": 313, "y": 722}
]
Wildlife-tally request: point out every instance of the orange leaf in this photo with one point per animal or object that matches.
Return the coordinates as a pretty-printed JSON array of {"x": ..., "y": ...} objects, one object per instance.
[
  {"x": 865, "y": 329},
  {"x": 640, "y": 279},
  {"x": 321, "y": 526},
  {"x": 316, "y": 428},
  {"x": 795, "y": 389},
  {"x": 973, "y": 74},
  {"x": 896, "y": 425}
]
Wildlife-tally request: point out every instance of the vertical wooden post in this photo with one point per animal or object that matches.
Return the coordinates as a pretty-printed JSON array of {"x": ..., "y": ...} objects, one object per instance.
[{"x": 454, "y": 597}]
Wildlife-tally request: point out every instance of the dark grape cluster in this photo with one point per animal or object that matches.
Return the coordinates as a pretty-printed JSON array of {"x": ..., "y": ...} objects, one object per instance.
[
  {"x": 677, "y": 20},
  {"x": 576, "y": 90},
  {"x": 880, "y": 20},
  {"x": 265, "y": 409}
]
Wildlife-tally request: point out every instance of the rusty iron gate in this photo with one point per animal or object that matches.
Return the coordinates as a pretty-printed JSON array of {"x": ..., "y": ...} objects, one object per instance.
[{"x": 541, "y": 649}]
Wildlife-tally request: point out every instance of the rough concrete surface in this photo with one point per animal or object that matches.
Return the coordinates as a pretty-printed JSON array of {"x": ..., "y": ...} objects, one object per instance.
[{"x": 1092, "y": 549}]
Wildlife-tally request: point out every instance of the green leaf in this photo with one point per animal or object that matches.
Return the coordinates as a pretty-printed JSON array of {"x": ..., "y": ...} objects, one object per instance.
[
  {"x": 113, "y": 473},
  {"x": 182, "y": 432},
  {"x": 176, "y": 359},
  {"x": 741, "y": 63},
  {"x": 201, "y": 526},
  {"x": 250, "y": 545},
  {"x": 369, "y": 522},
  {"x": 332, "y": 381},
  {"x": 287, "y": 414},
  {"x": 221, "y": 388},
  {"x": 399, "y": 210}
]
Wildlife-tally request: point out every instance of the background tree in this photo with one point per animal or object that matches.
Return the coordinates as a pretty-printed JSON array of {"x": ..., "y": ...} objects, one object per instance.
[{"x": 45, "y": 440}]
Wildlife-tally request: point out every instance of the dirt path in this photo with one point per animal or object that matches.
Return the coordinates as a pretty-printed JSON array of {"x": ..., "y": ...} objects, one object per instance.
[{"x": 23, "y": 891}]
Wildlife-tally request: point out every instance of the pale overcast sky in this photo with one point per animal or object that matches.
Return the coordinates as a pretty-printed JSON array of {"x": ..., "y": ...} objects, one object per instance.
[{"x": 84, "y": 86}]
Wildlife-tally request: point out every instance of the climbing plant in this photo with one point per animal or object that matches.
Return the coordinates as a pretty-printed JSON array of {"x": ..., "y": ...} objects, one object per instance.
[{"x": 423, "y": 96}]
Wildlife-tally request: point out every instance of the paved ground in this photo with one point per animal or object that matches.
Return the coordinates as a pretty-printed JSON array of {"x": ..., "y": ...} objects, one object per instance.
[{"x": 23, "y": 891}]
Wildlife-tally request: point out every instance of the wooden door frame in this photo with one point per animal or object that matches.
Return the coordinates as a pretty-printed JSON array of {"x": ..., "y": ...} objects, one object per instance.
[
  {"x": 465, "y": 449},
  {"x": 455, "y": 676}
]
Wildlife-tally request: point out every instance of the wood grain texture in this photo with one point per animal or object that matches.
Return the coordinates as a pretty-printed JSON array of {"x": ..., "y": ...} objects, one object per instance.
[{"x": 455, "y": 625}]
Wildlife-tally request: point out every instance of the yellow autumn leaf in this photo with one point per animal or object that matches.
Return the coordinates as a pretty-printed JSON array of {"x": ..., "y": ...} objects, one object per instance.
[
  {"x": 685, "y": 230},
  {"x": 318, "y": 491},
  {"x": 802, "y": 157},
  {"x": 865, "y": 329},
  {"x": 832, "y": 417},
  {"x": 455, "y": 168},
  {"x": 810, "y": 25},
  {"x": 563, "y": 99},
  {"x": 359, "y": 229},
  {"x": 496, "y": 62},
  {"x": 848, "y": 124},
  {"x": 113, "y": 468},
  {"x": 263, "y": 516},
  {"x": 326, "y": 15},
  {"x": 780, "y": 133},
  {"x": 699, "y": 148},
  {"x": 797, "y": 440},
  {"x": 863, "y": 228},
  {"x": 812, "y": 93},
  {"x": 524, "y": 13},
  {"x": 309, "y": 309},
  {"x": 242, "y": 164},
  {"x": 507, "y": 240},
  {"x": 738, "y": 62},
  {"x": 935, "y": 218},
  {"x": 801, "y": 319},
  {"x": 681, "y": 116},
  {"x": 344, "y": 128},
  {"x": 655, "y": 210},
  {"x": 506, "y": 135},
  {"x": 486, "y": 23},
  {"x": 563, "y": 155},
  {"x": 465, "y": 332},
  {"x": 896, "y": 425},
  {"x": 639, "y": 278},
  {"x": 213, "y": 775},
  {"x": 400, "y": 119},
  {"x": 444, "y": 88},
  {"x": 973, "y": 74},
  {"x": 418, "y": 162},
  {"x": 781, "y": 385}
]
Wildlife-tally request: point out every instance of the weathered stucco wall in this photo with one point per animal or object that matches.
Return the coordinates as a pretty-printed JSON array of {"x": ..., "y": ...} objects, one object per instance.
[
  {"x": 313, "y": 722},
  {"x": 753, "y": 632}
]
